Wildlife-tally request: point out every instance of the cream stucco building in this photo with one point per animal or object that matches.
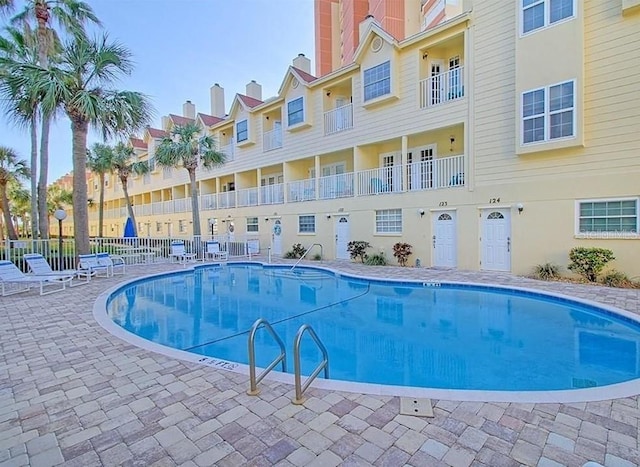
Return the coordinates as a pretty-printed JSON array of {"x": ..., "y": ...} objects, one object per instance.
[{"x": 497, "y": 139}]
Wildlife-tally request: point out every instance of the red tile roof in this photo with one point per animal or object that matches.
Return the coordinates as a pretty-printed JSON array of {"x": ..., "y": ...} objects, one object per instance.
[
  {"x": 138, "y": 143},
  {"x": 304, "y": 75},
  {"x": 249, "y": 101},
  {"x": 178, "y": 120},
  {"x": 155, "y": 133},
  {"x": 209, "y": 120}
]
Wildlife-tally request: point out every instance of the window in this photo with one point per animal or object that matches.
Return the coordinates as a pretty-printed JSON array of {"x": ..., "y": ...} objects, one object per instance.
[
  {"x": 377, "y": 81},
  {"x": 306, "y": 224},
  {"x": 158, "y": 227},
  {"x": 252, "y": 224},
  {"x": 182, "y": 226},
  {"x": 389, "y": 221},
  {"x": 540, "y": 13},
  {"x": 295, "y": 111},
  {"x": 242, "y": 130},
  {"x": 548, "y": 113},
  {"x": 608, "y": 216}
]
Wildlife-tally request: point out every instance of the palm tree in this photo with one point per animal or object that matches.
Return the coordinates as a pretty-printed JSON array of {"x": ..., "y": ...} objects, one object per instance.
[
  {"x": 100, "y": 162},
  {"x": 124, "y": 163},
  {"x": 11, "y": 169},
  {"x": 20, "y": 201},
  {"x": 80, "y": 83},
  {"x": 185, "y": 147},
  {"x": 22, "y": 104},
  {"x": 70, "y": 17}
]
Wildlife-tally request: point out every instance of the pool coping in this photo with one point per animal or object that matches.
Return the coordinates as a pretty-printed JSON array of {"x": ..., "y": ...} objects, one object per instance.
[{"x": 612, "y": 391}]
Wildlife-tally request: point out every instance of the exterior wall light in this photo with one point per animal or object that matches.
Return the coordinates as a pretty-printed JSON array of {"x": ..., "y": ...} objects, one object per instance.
[{"x": 520, "y": 208}]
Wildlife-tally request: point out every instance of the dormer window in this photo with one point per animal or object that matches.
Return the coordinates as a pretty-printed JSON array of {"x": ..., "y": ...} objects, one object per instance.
[
  {"x": 295, "y": 111},
  {"x": 242, "y": 131},
  {"x": 377, "y": 81}
]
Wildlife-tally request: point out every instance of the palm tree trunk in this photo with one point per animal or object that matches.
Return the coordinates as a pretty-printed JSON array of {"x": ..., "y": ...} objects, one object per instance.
[
  {"x": 101, "y": 207},
  {"x": 129, "y": 207},
  {"x": 79, "y": 129},
  {"x": 43, "y": 212},
  {"x": 195, "y": 210},
  {"x": 34, "y": 172},
  {"x": 11, "y": 231}
]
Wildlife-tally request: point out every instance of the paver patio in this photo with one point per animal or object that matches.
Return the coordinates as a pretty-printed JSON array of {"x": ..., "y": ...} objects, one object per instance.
[{"x": 73, "y": 394}]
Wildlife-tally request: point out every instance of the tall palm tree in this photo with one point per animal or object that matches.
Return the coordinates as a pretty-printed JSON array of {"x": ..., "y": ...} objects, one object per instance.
[
  {"x": 11, "y": 169},
  {"x": 22, "y": 104},
  {"x": 100, "y": 162},
  {"x": 187, "y": 148},
  {"x": 70, "y": 16},
  {"x": 81, "y": 84},
  {"x": 124, "y": 163}
]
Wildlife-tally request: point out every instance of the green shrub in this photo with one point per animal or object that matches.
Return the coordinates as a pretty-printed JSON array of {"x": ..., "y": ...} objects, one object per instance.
[
  {"x": 317, "y": 257},
  {"x": 290, "y": 255},
  {"x": 357, "y": 249},
  {"x": 402, "y": 251},
  {"x": 377, "y": 259},
  {"x": 616, "y": 279},
  {"x": 589, "y": 262},
  {"x": 546, "y": 271}
]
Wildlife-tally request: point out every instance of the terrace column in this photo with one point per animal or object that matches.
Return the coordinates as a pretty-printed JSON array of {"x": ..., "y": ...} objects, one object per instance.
[
  {"x": 316, "y": 161},
  {"x": 285, "y": 181},
  {"x": 404, "y": 159},
  {"x": 259, "y": 184},
  {"x": 358, "y": 156}
]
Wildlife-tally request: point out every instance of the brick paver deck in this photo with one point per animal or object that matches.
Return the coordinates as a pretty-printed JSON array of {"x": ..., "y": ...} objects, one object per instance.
[{"x": 72, "y": 394}]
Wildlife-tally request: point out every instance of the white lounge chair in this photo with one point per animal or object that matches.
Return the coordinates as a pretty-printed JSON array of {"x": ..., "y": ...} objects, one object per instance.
[
  {"x": 115, "y": 264},
  {"x": 179, "y": 253},
  {"x": 212, "y": 250},
  {"x": 39, "y": 266},
  {"x": 11, "y": 275},
  {"x": 89, "y": 262}
]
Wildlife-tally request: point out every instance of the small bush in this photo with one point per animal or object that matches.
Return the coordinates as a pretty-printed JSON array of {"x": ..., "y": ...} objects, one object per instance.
[
  {"x": 402, "y": 251},
  {"x": 290, "y": 255},
  {"x": 589, "y": 262},
  {"x": 317, "y": 257},
  {"x": 357, "y": 249},
  {"x": 617, "y": 279},
  {"x": 376, "y": 259},
  {"x": 546, "y": 271}
]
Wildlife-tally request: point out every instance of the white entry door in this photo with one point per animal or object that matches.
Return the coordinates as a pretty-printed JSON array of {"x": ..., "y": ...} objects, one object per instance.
[
  {"x": 444, "y": 239},
  {"x": 342, "y": 237},
  {"x": 496, "y": 240},
  {"x": 276, "y": 237}
]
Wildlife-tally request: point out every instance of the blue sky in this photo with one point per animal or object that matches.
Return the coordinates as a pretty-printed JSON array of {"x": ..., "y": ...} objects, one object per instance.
[{"x": 182, "y": 47}]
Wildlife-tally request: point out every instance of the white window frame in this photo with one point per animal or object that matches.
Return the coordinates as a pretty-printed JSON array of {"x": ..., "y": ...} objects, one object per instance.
[
  {"x": 547, "y": 114},
  {"x": 607, "y": 234},
  {"x": 182, "y": 226},
  {"x": 547, "y": 15},
  {"x": 238, "y": 140},
  {"x": 304, "y": 112},
  {"x": 158, "y": 227},
  {"x": 253, "y": 223},
  {"x": 365, "y": 84},
  {"x": 387, "y": 221},
  {"x": 306, "y": 232}
]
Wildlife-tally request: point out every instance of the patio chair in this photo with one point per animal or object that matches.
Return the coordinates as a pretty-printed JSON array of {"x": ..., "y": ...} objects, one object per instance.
[
  {"x": 115, "y": 264},
  {"x": 179, "y": 253},
  {"x": 212, "y": 250},
  {"x": 39, "y": 266},
  {"x": 90, "y": 264},
  {"x": 11, "y": 275}
]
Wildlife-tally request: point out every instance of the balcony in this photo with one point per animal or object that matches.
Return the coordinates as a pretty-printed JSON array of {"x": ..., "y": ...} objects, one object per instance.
[
  {"x": 227, "y": 199},
  {"x": 442, "y": 88},
  {"x": 339, "y": 119},
  {"x": 247, "y": 197},
  {"x": 381, "y": 180},
  {"x": 208, "y": 202},
  {"x": 302, "y": 190},
  {"x": 336, "y": 186},
  {"x": 228, "y": 150},
  {"x": 272, "y": 140},
  {"x": 272, "y": 194}
]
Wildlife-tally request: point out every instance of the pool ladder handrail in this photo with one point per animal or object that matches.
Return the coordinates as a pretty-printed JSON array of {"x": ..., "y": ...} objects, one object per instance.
[
  {"x": 300, "y": 388},
  {"x": 253, "y": 380},
  {"x": 305, "y": 254}
]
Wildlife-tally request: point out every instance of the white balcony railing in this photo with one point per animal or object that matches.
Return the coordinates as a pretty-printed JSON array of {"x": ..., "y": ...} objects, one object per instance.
[
  {"x": 156, "y": 208},
  {"x": 247, "y": 197},
  {"x": 339, "y": 119},
  {"x": 167, "y": 207},
  {"x": 436, "y": 174},
  {"x": 336, "y": 186},
  {"x": 381, "y": 180},
  {"x": 182, "y": 205},
  {"x": 302, "y": 190},
  {"x": 228, "y": 149},
  {"x": 272, "y": 139},
  {"x": 208, "y": 202},
  {"x": 227, "y": 200},
  {"x": 445, "y": 87},
  {"x": 272, "y": 194}
]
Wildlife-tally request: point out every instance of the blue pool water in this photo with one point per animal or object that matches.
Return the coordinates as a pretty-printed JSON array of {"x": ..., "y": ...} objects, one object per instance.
[{"x": 445, "y": 336}]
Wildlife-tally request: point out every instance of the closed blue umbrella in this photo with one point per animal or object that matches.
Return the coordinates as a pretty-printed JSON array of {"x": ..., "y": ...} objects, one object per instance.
[{"x": 129, "y": 230}]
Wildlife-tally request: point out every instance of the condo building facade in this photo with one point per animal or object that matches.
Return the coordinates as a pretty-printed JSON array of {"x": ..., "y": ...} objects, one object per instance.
[{"x": 492, "y": 136}]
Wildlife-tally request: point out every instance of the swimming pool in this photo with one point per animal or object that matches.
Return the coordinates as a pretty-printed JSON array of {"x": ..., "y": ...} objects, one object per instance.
[{"x": 395, "y": 334}]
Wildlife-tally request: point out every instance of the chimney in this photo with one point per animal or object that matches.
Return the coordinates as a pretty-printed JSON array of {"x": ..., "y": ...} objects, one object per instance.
[
  {"x": 189, "y": 110},
  {"x": 302, "y": 63},
  {"x": 254, "y": 90},
  {"x": 364, "y": 24},
  {"x": 217, "y": 101}
]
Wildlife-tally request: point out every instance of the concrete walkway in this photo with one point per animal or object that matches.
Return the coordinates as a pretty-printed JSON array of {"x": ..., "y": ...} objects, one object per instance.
[{"x": 72, "y": 394}]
